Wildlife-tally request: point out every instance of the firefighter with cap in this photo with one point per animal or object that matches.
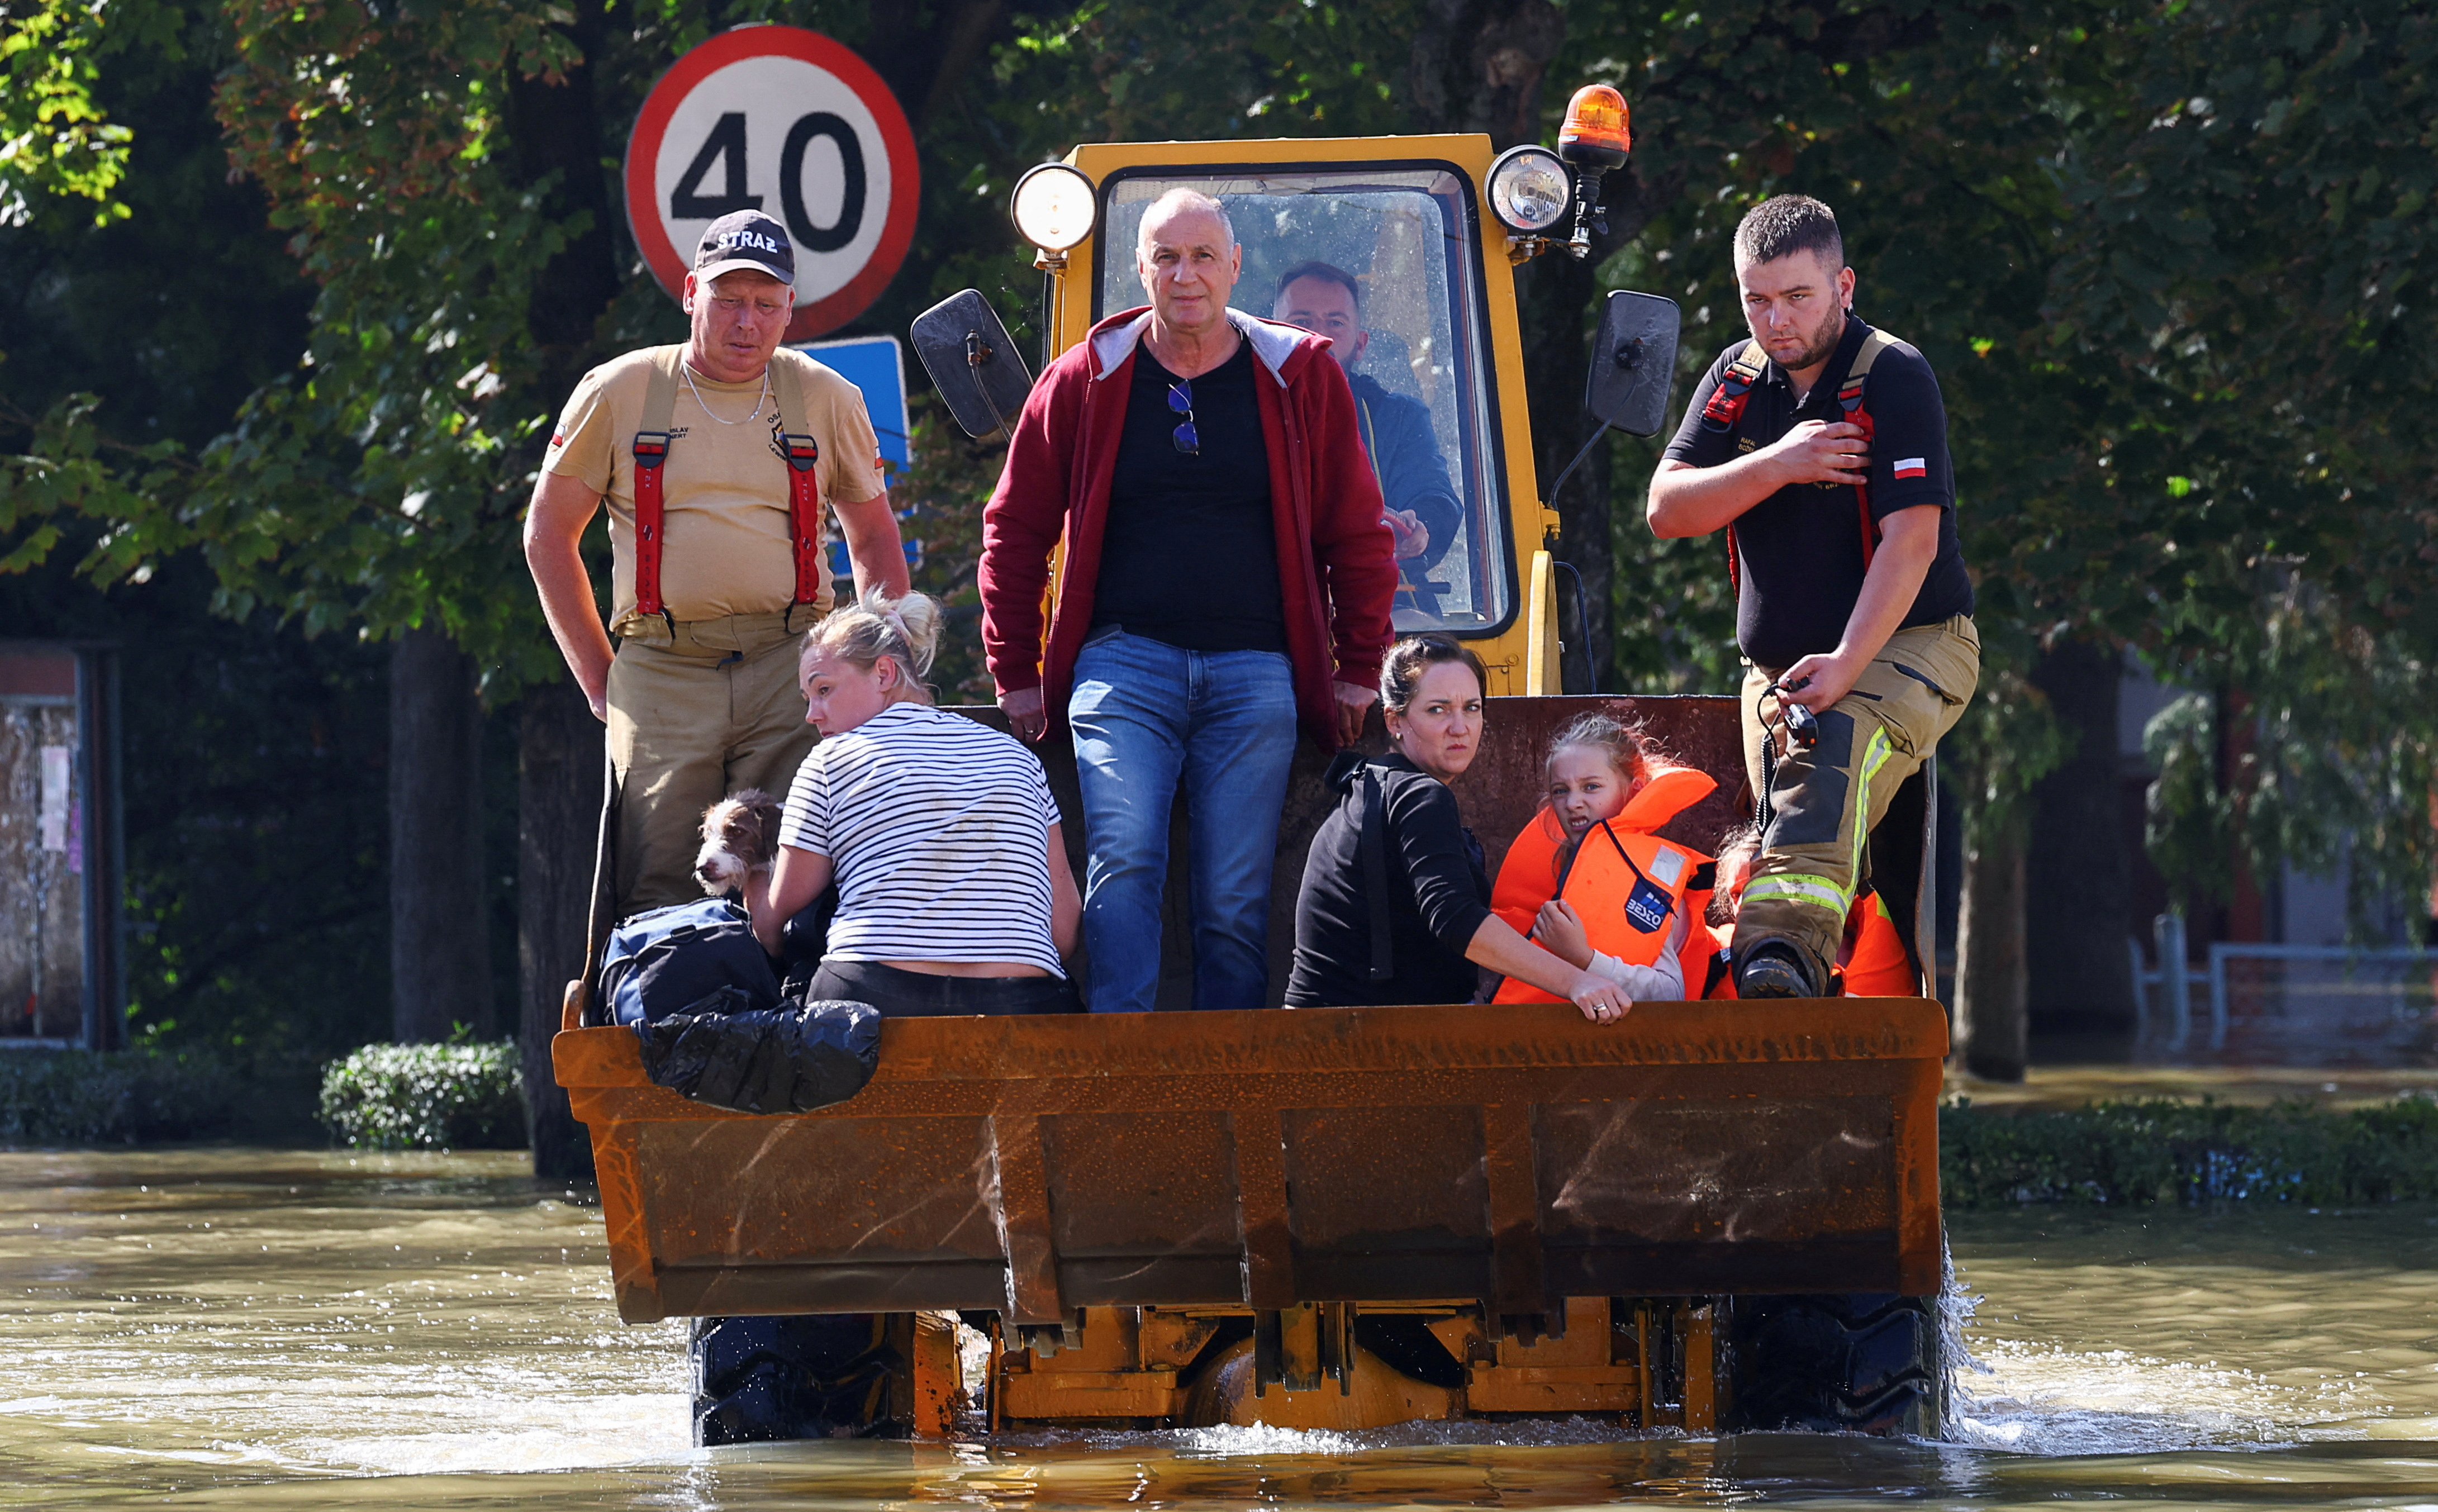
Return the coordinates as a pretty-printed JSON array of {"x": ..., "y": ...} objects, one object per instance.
[
  {"x": 715, "y": 459},
  {"x": 1819, "y": 448}
]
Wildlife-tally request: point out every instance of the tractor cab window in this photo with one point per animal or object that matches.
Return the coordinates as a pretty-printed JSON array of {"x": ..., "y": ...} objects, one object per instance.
[{"x": 1384, "y": 261}]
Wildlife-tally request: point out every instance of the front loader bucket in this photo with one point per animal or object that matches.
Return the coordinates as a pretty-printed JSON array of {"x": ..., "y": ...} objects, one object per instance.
[{"x": 1513, "y": 1155}]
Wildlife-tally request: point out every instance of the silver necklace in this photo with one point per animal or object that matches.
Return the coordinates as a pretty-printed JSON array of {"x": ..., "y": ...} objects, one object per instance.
[{"x": 759, "y": 400}]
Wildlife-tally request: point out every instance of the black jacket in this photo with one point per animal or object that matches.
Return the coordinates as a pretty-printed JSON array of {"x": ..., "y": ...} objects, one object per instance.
[{"x": 1432, "y": 880}]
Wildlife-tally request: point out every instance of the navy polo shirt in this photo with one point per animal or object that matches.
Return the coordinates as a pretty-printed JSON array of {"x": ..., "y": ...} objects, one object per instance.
[{"x": 1799, "y": 552}]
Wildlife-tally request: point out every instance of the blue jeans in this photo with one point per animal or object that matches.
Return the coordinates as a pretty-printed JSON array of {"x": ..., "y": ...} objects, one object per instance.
[{"x": 1146, "y": 715}]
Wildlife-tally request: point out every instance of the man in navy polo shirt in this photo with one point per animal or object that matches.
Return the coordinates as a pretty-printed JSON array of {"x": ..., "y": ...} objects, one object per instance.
[{"x": 1820, "y": 447}]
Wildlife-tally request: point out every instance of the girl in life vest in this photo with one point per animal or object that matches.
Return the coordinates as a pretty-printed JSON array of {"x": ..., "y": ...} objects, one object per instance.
[{"x": 1589, "y": 881}]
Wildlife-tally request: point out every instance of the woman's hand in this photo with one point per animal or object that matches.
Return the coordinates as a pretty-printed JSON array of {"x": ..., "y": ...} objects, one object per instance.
[
  {"x": 796, "y": 879},
  {"x": 1559, "y": 930},
  {"x": 1496, "y": 945},
  {"x": 1602, "y": 1000}
]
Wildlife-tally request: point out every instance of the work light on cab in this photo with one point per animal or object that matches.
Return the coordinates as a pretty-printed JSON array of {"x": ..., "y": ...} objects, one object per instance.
[
  {"x": 1595, "y": 134},
  {"x": 1054, "y": 207},
  {"x": 1594, "y": 139},
  {"x": 1528, "y": 189}
]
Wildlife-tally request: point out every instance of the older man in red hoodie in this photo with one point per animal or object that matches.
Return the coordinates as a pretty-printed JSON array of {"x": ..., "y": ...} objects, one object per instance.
[{"x": 1227, "y": 579}]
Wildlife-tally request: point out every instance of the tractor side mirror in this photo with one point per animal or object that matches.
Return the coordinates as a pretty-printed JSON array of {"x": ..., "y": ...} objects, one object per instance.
[
  {"x": 973, "y": 362},
  {"x": 1633, "y": 362}
]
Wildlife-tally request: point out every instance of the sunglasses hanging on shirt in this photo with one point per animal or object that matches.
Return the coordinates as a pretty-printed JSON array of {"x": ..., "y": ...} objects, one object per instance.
[{"x": 1180, "y": 402}]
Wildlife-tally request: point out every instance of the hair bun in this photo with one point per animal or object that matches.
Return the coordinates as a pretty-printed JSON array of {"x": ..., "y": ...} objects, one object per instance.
[
  {"x": 918, "y": 618},
  {"x": 904, "y": 630}
]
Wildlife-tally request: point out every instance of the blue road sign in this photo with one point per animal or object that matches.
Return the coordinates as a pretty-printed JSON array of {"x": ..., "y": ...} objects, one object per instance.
[
  {"x": 876, "y": 365},
  {"x": 842, "y": 566}
]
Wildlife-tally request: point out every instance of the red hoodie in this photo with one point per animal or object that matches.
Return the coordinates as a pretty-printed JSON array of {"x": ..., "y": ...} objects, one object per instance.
[{"x": 1336, "y": 566}]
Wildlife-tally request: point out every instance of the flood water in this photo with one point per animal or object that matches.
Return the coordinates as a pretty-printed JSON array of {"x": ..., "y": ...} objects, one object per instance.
[{"x": 274, "y": 1328}]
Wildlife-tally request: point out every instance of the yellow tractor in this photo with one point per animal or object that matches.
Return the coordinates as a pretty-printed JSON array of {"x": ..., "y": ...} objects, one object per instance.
[{"x": 1714, "y": 1216}]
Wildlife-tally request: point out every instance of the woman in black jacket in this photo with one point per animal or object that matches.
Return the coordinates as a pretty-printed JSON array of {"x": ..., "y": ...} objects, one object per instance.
[{"x": 1395, "y": 907}]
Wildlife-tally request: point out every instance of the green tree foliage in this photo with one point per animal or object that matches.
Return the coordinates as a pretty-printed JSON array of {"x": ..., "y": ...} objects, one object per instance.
[
  {"x": 254, "y": 774},
  {"x": 2166, "y": 260},
  {"x": 2248, "y": 287},
  {"x": 2251, "y": 261},
  {"x": 56, "y": 140},
  {"x": 367, "y": 486}
]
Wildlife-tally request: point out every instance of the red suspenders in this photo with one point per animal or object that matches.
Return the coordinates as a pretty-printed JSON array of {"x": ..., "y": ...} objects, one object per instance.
[
  {"x": 804, "y": 514},
  {"x": 1849, "y": 400},
  {"x": 651, "y": 453},
  {"x": 1726, "y": 408},
  {"x": 803, "y": 453}
]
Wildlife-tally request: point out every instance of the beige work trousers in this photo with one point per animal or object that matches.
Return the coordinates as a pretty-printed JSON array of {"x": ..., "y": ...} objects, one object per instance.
[
  {"x": 696, "y": 715},
  {"x": 1827, "y": 800}
]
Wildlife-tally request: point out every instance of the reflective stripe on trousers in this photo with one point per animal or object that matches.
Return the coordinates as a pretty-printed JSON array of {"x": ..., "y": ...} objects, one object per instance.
[{"x": 1827, "y": 798}]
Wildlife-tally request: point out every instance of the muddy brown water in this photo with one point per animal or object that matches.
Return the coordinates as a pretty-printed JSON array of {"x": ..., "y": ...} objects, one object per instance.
[{"x": 277, "y": 1329}]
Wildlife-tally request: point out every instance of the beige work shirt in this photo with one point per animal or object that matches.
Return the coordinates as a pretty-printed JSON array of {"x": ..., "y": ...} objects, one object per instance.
[{"x": 724, "y": 488}]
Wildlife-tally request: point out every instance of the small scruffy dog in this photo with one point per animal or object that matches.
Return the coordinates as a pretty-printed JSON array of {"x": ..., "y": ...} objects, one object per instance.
[{"x": 740, "y": 836}]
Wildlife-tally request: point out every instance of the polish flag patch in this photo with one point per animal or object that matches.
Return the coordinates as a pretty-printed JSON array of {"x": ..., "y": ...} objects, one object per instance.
[{"x": 1913, "y": 467}]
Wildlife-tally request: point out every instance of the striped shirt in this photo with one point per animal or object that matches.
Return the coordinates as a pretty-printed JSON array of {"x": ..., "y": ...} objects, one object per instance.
[{"x": 937, "y": 827}]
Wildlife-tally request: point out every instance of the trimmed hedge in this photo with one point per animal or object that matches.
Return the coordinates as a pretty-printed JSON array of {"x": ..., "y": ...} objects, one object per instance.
[
  {"x": 426, "y": 1097},
  {"x": 120, "y": 1097},
  {"x": 2138, "y": 1153}
]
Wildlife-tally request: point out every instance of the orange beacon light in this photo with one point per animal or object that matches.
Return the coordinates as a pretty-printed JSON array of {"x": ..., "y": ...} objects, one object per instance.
[{"x": 1595, "y": 134}]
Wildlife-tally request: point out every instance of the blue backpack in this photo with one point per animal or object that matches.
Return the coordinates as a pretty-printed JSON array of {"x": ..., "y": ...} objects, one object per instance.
[{"x": 669, "y": 960}]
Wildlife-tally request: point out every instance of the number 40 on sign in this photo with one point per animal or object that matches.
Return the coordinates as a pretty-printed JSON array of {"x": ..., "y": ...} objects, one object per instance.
[{"x": 792, "y": 124}]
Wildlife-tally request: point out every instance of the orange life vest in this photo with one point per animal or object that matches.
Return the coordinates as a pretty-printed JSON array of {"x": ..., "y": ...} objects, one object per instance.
[
  {"x": 1873, "y": 963},
  {"x": 1708, "y": 954},
  {"x": 1628, "y": 886}
]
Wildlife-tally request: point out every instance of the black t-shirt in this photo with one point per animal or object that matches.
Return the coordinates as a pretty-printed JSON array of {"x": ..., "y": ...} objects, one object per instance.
[
  {"x": 1799, "y": 552},
  {"x": 1439, "y": 894},
  {"x": 1189, "y": 552}
]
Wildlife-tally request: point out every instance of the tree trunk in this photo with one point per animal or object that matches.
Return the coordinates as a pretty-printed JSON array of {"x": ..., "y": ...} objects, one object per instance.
[
  {"x": 559, "y": 807},
  {"x": 1992, "y": 986},
  {"x": 2078, "y": 868},
  {"x": 555, "y": 128},
  {"x": 559, "y": 141},
  {"x": 1477, "y": 65},
  {"x": 439, "y": 948}
]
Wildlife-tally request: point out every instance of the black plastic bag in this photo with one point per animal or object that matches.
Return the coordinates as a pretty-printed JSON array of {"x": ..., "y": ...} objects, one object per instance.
[{"x": 789, "y": 1059}]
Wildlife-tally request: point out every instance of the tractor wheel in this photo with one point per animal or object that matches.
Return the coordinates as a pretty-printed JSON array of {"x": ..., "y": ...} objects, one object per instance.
[
  {"x": 770, "y": 1378},
  {"x": 1860, "y": 1363}
]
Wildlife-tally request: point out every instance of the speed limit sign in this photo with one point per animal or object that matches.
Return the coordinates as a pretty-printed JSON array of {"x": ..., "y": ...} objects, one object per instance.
[{"x": 790, "y": 123}]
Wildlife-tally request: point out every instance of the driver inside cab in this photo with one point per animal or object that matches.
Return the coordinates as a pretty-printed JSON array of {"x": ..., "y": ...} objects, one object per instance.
[{"x": 1422, "y": 511}]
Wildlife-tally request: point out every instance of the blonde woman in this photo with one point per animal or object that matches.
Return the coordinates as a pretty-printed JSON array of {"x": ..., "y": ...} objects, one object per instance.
[{"x": 954, "y": 893}]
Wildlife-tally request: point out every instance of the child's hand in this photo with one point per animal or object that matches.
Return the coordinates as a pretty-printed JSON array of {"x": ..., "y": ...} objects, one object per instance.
[{"x": 1559, "y": 930}]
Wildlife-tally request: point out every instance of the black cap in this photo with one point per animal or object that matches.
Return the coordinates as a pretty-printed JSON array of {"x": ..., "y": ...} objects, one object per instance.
[{"x": 745, "y": 239}]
